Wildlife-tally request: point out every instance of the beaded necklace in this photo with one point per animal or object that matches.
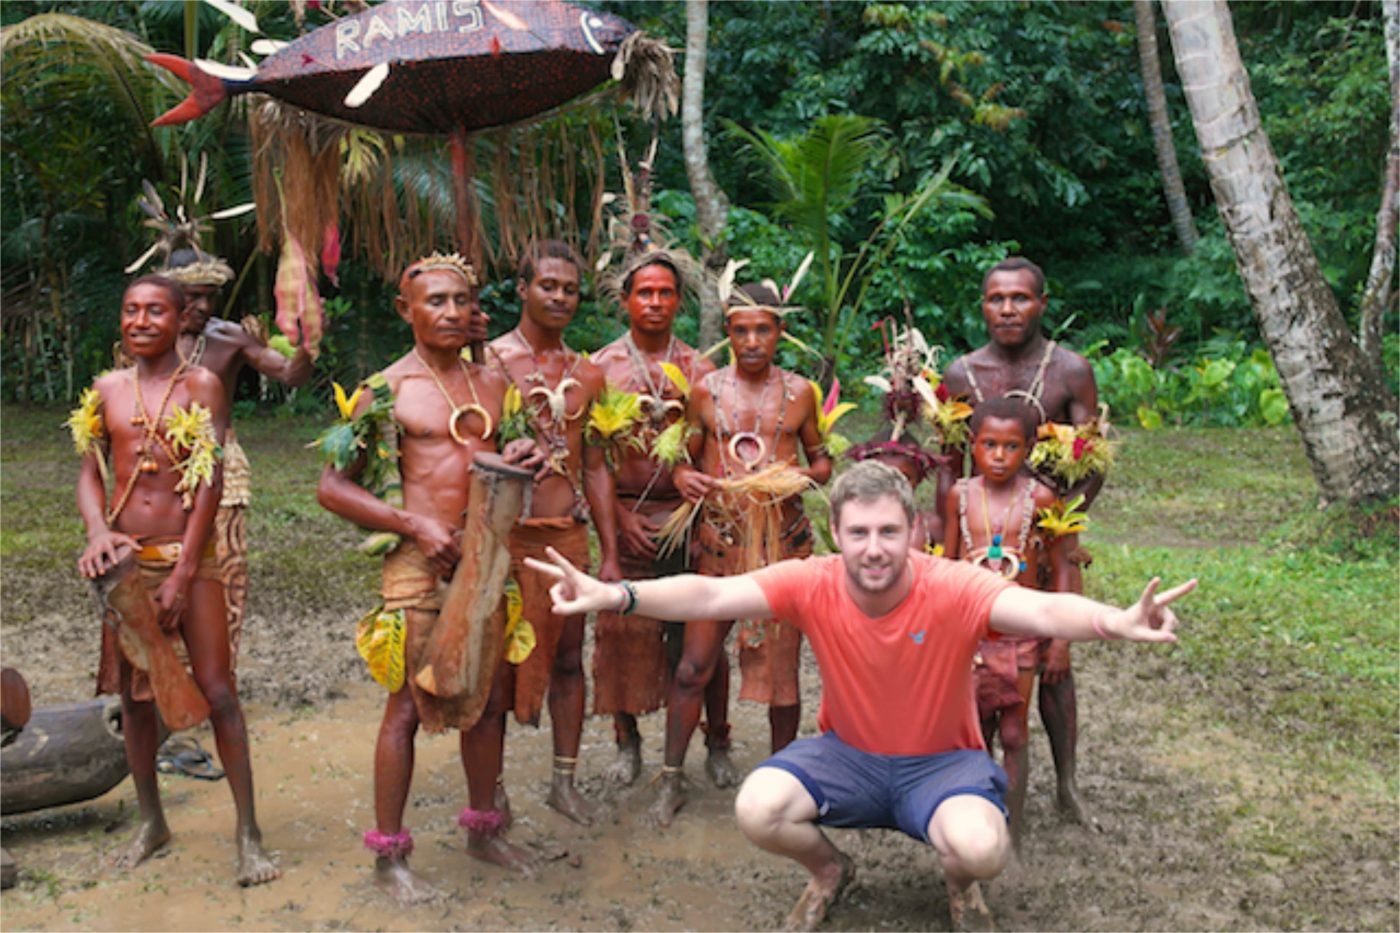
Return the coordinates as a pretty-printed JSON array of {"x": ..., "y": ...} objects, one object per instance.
[
  {"x": 145, "y": 460},
  {"x": 653, "y": 402},
  {"x": 556, "y": 401},
  {"x": 474, "y": 406},
  {"x": 998, "y": 556}
]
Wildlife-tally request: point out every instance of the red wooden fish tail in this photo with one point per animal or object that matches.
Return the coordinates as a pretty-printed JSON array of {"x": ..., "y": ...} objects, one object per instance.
[{"x": 206, "y": 90}]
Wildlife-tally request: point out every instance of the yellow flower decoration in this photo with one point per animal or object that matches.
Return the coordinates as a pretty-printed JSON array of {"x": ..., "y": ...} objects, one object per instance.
[
  {"x": 347, "y": 404},
  {"x": 379, "y": 638},
  {"x": 512, "y": 402},
  {"x": 519, "y": 633},
  {"x": 828, "y": 413},
  {"x": 85, "y": 422}
]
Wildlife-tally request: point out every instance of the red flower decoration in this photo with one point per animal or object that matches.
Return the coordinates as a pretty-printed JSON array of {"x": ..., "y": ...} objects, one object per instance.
[
  {"x": 941, "y": 393},
  {"x": 1082, "y": 446}
]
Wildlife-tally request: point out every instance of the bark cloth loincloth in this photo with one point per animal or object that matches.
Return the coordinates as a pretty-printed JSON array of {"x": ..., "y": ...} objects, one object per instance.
[
  {"x": 529, "y": 538},
  {"x": 410, "y": 583},
  {"x": 995, "y": 670},
  {"x": 631, "y": 672},
  {"x": 154, "y": 562},
  {"x": 768, "y": 650},
  {"x": 231, "y": 538}
]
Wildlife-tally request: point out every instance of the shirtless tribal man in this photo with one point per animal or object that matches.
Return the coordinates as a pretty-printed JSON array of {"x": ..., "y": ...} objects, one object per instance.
[
  {"x": 224, "y": 348},
  {"x": 166, "y": 484},
  {"x": 442, "y": 410},
  {"x": 632, "y": 657},
  {"x": 748, "y": 416},
  {"x": 1058, "y": 384},
  {"x": 557, "y": 385}
]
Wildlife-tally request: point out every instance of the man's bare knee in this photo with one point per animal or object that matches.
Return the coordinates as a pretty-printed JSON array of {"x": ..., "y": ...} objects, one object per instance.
[
  {"x": 971, "y": 835},
  {"x": 768, "y": 798}
]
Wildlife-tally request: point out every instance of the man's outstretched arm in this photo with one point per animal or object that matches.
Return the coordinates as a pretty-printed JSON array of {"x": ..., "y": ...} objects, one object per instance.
[
  {"x": 678, "y": 598},
  {"x": 1021, "y": 611}
]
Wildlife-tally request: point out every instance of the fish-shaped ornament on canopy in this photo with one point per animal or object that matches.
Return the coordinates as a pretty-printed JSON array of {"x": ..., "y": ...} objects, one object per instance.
[{"x": 424, "y": 66}]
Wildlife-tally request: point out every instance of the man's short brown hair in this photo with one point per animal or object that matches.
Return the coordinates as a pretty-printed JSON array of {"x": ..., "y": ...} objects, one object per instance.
[
  {"x": 547, "y": 249},
  {"x": 1017, "y": 264},
  {"x": 868, "y": 481}
]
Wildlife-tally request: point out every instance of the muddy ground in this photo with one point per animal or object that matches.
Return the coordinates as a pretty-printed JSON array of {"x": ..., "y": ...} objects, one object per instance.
[{"x": 1198, "y": 826}]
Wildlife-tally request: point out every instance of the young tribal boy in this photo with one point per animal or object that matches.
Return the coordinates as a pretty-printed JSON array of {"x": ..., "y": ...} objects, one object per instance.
[
  {"x": 994, "y": 527},
  {"x": 444, "y": 411},
  {"x": 747, "y": 418},
  {"x": 633, "y": 658},
  {"x": 557, "y": 386},
  {"x": 161, "y": 421},
  {"x": 225, "y": 348},
  {"x": 1019, "y": 361}
]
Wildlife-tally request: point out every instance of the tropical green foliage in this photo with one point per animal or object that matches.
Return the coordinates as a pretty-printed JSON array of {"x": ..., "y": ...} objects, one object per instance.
[
  {"x": 1037, "y": 107},
  {"x": 1226, "y": 385}
]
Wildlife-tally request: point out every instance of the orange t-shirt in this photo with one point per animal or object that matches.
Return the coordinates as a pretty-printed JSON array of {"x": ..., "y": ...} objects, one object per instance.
[{"x": 900, "y": 684}]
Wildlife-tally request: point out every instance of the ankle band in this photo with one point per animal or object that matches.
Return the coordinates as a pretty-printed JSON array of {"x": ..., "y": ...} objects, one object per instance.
[
  {"x": 481, "y": 822},
  {"x": 399, "y": 845}
]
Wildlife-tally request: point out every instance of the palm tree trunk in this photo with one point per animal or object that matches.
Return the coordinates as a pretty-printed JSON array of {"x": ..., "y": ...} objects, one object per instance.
[
  {"x": 1172, "y": 188},
  {"x": 711, "y": 206},
  {"x": 1339, "y": 400},
  {"x": 1375, "y": 299}
]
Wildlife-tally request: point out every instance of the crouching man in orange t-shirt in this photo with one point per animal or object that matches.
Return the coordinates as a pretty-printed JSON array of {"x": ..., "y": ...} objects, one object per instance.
[{"x": 894, "y": 634}]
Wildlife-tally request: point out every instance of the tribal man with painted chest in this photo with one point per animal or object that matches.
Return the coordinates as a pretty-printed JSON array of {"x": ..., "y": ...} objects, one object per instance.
[
  {"x": 650, "y": 372},
  {"x": 441, "y": 412},
  {"x": 556, "y": 386},
  {"x": 750, "y": 420}
]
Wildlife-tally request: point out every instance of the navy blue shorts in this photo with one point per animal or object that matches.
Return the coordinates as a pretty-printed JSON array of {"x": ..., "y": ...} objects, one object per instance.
[{"x": 861, "y": 790}]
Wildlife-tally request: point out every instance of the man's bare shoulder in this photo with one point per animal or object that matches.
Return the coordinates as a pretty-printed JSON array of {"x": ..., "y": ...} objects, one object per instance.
[
  {"x": 615, "y": 352},
  {"x": 201, "y": 382},
  {"x": 1071, "y": 363},
  {"x": 396, "y": 371},
  {"x": 111, "y": 380}
]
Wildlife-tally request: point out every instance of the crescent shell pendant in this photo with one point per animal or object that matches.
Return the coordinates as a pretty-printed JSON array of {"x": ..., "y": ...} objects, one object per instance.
[
  {"x": 1010, "y": 563},
  {"x": 464, "y": 410},
  {"x": 750, "y": 463}
]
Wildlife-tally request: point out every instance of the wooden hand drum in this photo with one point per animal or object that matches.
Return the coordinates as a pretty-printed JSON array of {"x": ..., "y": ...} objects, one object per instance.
[
  {"x": 129, "y": 609},
  {"x": 465, "y": 645}
]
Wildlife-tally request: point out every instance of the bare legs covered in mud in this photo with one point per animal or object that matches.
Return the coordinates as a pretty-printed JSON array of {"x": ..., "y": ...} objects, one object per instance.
[
  {"x": 628, "y": 764},
  {"x": 205, "y": 631},
  {"x": 704, "y": 647}
]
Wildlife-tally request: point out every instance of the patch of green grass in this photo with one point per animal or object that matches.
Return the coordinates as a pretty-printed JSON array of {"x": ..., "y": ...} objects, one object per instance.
[{"x": 1294, "y": 628}]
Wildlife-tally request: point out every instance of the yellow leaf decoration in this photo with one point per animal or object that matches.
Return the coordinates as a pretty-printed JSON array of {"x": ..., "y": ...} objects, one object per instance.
[
  {"x": 1063, "y": 518},
  {"x": 673, "y": 373},
  {"x": 191, "y": 432},
  {"x": 613, "y": 412},
  {"x": 519, "y": 633},
  {"x": 671, "y": 445},
  {"x": 513, "y": 402},
  {"x": 379, "y": 638},
  {"x": 347, "y": 405},
  {"x": 85, "y": 421}
]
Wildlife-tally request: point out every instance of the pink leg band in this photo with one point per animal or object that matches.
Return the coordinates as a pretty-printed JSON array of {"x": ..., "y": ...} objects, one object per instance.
[
  {"x": 396, "y": 846},
  {"x": 481, "y": 822}
]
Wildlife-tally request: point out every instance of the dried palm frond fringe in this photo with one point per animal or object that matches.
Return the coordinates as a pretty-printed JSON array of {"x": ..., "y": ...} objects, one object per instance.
[{"x": 753, "y": 503}]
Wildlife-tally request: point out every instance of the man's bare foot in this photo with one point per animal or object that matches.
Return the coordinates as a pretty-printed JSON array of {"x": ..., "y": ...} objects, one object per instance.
[
  {"x": 501, "y": 802},
  {"x": 394, "y": 878},
  {"x": 1071, "y": 805},
  {"x": 720, "y": 768},
  {"x": 565, "y": 798},
  {"x": 498, "y": 850},
  {"x": 969, "y": 912},
  {"x": 151, "y": 836},
  {"x": 821, "y": 894},
  {"x": 627, "y": 765},
  {"x": 255, "y": 866},
  {"x": 670, "y": 798}
]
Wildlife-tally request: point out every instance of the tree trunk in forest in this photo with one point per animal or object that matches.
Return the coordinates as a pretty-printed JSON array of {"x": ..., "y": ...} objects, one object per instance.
[
  {"x": 1375, "y": 299},
  {"x": 1172, "y": 188},
  {"x": 711, "y": 206},
  {"x": 1340, "y": 403}
]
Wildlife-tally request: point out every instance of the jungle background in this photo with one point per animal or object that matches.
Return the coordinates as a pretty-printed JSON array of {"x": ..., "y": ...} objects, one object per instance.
[{"x": 1246, "y": 778}]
